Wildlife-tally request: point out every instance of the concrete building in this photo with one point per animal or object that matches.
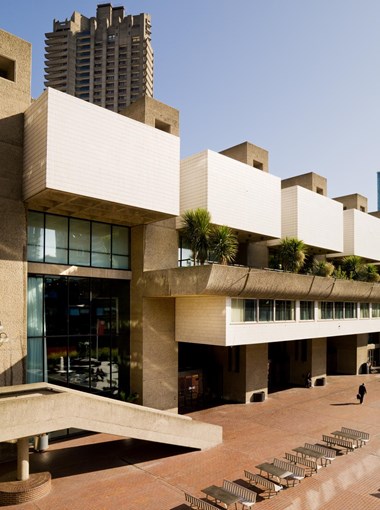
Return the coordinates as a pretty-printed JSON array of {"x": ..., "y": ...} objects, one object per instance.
[
  {"x": 98, "y": 293},
  {"x": 106, "y": 60}
]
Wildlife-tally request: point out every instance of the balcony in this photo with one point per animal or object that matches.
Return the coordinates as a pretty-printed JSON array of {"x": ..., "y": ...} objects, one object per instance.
[
  {"x": 85, "y": 161},
  {"x": 203, "y": 303}
]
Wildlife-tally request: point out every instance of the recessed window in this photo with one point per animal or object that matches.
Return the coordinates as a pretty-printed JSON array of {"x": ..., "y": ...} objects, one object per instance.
[
  {"x": 319, "y": 191},
  {"x": 162, "y": 126},
  {"x": 7, "y": 68},
  {"x": 257, "y": 164}
]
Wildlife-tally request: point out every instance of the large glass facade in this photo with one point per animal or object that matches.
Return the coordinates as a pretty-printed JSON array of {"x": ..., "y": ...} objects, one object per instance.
[
  {"x": 78, "y": 333},
  {"x": 61, "y": 240}
]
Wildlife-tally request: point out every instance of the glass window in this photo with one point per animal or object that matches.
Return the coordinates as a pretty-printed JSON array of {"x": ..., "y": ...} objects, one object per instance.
[
  {"x": 266, "y": 310},
  {"x": 376, "y": 310},
  {"x": 101, "y": 245},
  {"x": 36, "y": 246},
  {"x": 284, "y": 310},
  {"x": 326, "y": 310},
  {"x": 307, "y": 310},
  {"x": 339, "y": 310},
  {"x": 56, "y": 239},
  {"x": 237, "y": 310},
  {"x": 120, "y": 247},
  {"x": 350, "y": 311},
  {"x": 80, "y": 242},
  {"x": 364, "y": 310},
  {"x": 250, "y": 314},
  {"x": 185, "y": 254}
]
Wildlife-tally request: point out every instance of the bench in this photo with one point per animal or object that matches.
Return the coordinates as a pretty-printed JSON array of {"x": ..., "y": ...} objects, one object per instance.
[
  {"x": 341, "y": 443},
  {"x": 297, "y": 472},
  {"x": 328, "y": 454},
  {"x": 247, "y": 497},
  {"x": 260, "y": 481},
  {"x": 198, "y": 504},
  {"x": 363, "y": 437},
  {"x": 310, "y": 465}
]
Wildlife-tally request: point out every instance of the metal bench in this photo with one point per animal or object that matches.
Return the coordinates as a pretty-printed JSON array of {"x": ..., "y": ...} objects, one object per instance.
[
  {"x": 328, "y": 453},
  {"x": 248, "y": 497},
  {"x": 297, "y": 472},
  {"x": 363, "y": 437},
  {"x": 346, "y": 444},
  {"x": 310, "y": 465},
  {"x": 198, "y": 504},
  {"x": 260, "y": 481}
]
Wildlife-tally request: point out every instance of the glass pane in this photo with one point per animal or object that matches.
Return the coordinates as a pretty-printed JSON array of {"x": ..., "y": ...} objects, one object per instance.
[
  {"x": 250, "y": 310},
  {"x": 120, "y": 240},
  {"x": 350, "y": 311},
  {"x": 58, "y": 364},
  {"x": 79, "y": 306},
  {"x": 80, "y": 242},
  {"x": 35, "y": 237},
  {"x": 56, "y": 239},
  {"x": 56, "y": 305},
  {"x": 375, "y": 310},
  {"x": 237, "y": 310},
  {"x": 339, "y": 310},
  {"x": 364, "y": 310},
  {"x": 35, "y": 361},
  {"x": 35, "y": 322},
  {"x": 101, "y": 245},
  {"x": 284, "y": 310},
  {"x": 185, "y": 254},
  {"x": 326, "y": 310},
  {"x": 307, "y": 310},
  {"x": 265, "y": 310},
  {"x": 120, "y": 262}
]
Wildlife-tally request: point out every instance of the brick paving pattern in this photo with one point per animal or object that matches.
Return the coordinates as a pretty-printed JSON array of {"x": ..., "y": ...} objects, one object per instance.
[{"x": 100, "y": 472}]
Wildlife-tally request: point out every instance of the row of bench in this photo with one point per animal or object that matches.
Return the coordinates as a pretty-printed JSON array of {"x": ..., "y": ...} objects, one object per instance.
[{"x": 298, "y": 465}]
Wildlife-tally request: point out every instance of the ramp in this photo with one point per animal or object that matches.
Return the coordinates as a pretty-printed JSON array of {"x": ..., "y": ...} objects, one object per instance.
[{"x": 32, "y": 409}]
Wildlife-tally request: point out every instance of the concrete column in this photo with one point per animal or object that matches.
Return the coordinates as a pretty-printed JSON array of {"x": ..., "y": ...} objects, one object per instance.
[
  {"x": 23, "y": 459},
  {"x": 256, "y": 370},
  {"x": 154, "y": 352},
  {"x": 318, "y": 350}
]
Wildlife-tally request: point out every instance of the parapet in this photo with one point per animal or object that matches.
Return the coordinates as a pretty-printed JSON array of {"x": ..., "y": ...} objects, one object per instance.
[
  {"x": 154, "y": 113},
  {"x": 310, "y": 181},
  {"x": 249, "y": 154}
]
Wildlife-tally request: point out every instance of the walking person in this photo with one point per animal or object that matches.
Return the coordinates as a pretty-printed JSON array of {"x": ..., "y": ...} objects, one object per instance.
[{"x": 361, "y": 392}]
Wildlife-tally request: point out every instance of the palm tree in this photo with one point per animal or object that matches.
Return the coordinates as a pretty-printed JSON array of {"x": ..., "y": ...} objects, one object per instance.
[
  {"x": 369, "y": 273},
  {"x": 197, "y": 230},
  {"x": 292, "y": 253},
  {"x": 352, "y": 265},
  {"x": 223, "y": 244},
  {"x": 323, "y": 268}
]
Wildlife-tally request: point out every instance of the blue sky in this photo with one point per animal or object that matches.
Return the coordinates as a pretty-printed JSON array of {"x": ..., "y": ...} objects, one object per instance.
[{"x": 300, "y": 78}]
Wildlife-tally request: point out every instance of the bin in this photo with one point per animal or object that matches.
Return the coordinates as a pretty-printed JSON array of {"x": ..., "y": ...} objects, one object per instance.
[
  {"x": 258, "y": 397},
  {"x": 321, "y": 381},
  {"x": 41, "y": 442}
]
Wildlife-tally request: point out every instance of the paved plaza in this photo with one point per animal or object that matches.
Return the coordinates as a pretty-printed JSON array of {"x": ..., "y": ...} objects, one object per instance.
[{"x": 100, "y": 472}]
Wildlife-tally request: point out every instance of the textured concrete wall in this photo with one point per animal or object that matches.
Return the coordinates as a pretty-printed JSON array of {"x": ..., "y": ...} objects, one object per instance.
[
  {"x": 310, "y": 181},
  {"x": 318, "y": 350},
  {"x": 154, "y": 352},
  {"x": 249, "y": 154},
  {"x": 14, "y": 99},
  {"x": 354, "y": 201}
]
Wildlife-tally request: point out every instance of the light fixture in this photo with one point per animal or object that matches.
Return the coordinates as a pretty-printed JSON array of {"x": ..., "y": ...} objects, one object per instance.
[{"x": 3, "y": 336}]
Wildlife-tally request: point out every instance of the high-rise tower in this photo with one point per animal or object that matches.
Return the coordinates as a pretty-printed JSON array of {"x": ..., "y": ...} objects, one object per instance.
[{"x": 106, "y": 60}]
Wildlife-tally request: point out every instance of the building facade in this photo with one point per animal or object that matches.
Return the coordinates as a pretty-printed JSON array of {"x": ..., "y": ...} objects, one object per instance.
[
  {"x": 106, "y": 60},
  {"x": 98, "y": 292}
]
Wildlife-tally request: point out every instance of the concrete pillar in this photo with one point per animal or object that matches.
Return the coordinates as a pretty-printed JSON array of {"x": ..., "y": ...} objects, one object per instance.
[
  {"x": 154, "y": 352},
  {"x": 256, "y": 370},
  {"x": 23, "y": 459},
  {"x": 350, "y": 352},
  {"x": 318, "y": 355}
]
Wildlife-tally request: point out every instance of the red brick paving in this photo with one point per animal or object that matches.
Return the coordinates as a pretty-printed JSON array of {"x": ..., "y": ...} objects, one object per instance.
[{"x": 100, "y": 472}]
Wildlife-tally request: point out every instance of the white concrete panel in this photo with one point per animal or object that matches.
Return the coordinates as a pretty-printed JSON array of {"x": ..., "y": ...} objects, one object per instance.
[
  {"x": 98, "y": 153},
  {"x": 235, "y": 194},
  {"x": 314, "y": 218},
  {"x": 361, "y": 235}
]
